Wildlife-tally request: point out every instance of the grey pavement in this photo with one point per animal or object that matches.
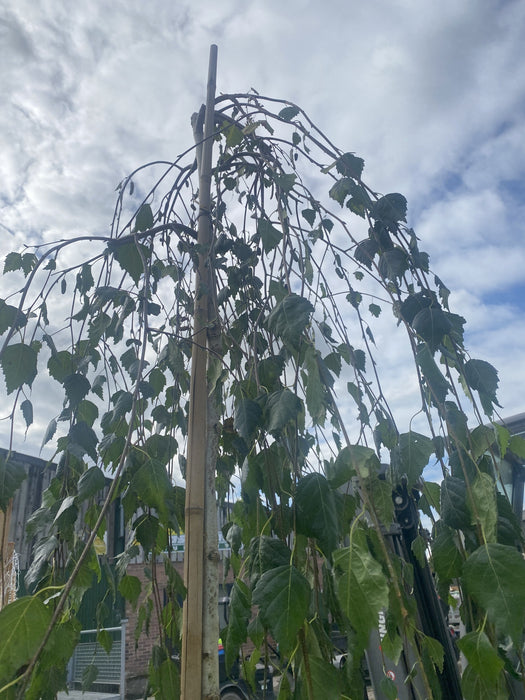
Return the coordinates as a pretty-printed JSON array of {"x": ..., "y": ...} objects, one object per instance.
[{"x": 79, "y": 695}]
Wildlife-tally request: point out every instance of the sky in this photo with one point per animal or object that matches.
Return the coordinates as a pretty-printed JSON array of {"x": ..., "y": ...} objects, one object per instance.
[{"x": 431, "y": 95}]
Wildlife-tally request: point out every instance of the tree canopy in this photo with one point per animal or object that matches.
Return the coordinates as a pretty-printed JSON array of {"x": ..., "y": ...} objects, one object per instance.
[{"x": 305, "y": 262}]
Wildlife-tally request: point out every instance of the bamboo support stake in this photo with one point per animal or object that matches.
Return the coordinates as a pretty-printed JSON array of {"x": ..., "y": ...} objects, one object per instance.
[
  {"x": 192, "y": 627},
  {"x": 5, "y": 555}
]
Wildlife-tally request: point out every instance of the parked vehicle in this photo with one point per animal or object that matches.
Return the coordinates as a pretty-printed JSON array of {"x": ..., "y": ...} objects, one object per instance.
[{"x": 233, "y": 687}]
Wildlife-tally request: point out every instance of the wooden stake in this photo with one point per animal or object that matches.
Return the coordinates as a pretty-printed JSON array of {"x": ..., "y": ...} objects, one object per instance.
[{"x": 192, "y": 626}]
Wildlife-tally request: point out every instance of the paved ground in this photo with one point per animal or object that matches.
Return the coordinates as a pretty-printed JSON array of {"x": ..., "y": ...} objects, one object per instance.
[{"x": 79, "y": 695}]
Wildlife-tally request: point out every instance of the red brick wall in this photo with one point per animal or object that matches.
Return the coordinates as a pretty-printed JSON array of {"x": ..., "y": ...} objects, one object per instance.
[{"x": 138, "y": 654}]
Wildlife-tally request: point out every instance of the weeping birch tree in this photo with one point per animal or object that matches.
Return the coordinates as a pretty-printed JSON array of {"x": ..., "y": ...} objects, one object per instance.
[{"x": 223, "y": 332}]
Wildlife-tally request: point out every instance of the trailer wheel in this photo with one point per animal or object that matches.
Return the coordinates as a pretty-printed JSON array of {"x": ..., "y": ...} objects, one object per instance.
[{"x": 231, "y": 694}]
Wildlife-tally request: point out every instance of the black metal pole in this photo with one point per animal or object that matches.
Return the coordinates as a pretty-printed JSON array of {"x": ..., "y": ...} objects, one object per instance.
[{"x": 431, "y": 615}]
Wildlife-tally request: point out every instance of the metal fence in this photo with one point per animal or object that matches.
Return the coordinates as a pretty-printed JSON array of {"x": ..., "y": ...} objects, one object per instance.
[{"x": 90, "y": 655}]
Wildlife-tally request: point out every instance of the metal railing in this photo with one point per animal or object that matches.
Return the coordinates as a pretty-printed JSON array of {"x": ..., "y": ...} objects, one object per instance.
[{"x": 111, "y": 667}]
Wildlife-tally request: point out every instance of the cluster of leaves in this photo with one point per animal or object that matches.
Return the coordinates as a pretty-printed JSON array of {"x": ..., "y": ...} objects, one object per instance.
[{"x": 304, "y": 418}]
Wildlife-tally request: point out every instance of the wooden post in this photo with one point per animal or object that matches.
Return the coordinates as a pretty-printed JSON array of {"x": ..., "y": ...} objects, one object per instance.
[
  {"x": 192, "y": 626},
  {"x": 6, "y": 557}
]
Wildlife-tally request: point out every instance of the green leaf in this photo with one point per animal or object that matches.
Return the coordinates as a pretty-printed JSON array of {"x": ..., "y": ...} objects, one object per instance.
[
  {"x": 393, "y": 263},
  {"x": 247, "y": 418},
  {"x": 53, "y": 662},
  {"x": 76, "y": 387},
  {"x": 414, "y": 303},
  {"x": 482, "y": 377},
  {"x": 144, "y": 220},
  {"x": 361, "y": 586},
  {"x": 350, "y": 165},
  {"x": 50, "y": 431},
  {"x": 87, "y": 411},
  {"x": 40, "y": 557},
  {"x": 434, "y": 649},
  {"x": 388, "y": 688},
  {"x": 27, "y": 411},
  {"x": 91, "y": 481},
  {"x": 281, "y": 407},
  {"x": 130, "y": 587},
  {"x": 13, "y": 262},
  {"x": 419, "y": 547},
  {"x": 251, "y": 128},
  {"x": 128, "y": 257},
  {"x": 283, "y": 597},
  {"x": 23, "y": 624},
  {"x": 269, "y": 371},
  {"x": 168, "y": 681},
  {"x": 161, "y": 447},
  {"x": 365, "y": 252},
  {"x": 390, "y": 209},
  {"x": 509, "y": 527},
  {"x": 285, "y": 181},
  {"x": 359, "y": 201},
  {"x": 239, "y": 612},
  {"x": 517, "y": 446},
  {"x": 454, "y": 503},
  {"x": 341, "y": 189},
  {"x": 431, "y": 325},
  {"x": 130, "y": 361},
  {"x": 10, "y": 317},
  {"x": 481, "y": 655},
  {"x": 85, "y": 279},
  {"x": 67, "y": 512},
  {"x": 503, "y": 438},
  {"x": 316, "y": 399},
  {"x": 326, "y": 680},
  {"x": 157, "y": 380},
  {"x": 350, "y": 461},
  {"x": 385, "y": 433},
  {"x": 392, "y": 646},
  {"x": 234, "y": 136},
  {"x": 123, "y": 401},
  {"x": 256, "y": 631},
  {"x": 266, "y": 553},
  {"x": 152, "y": 483},
  {"x": 60, "y": 365},
  {"x": 270, "y": 236},
  {"x": 494, "y": 575},
  {"x": 380, "y": 494},
  {"x": 476, "y": 687},
  {"x": 482, "y": 505},
  {"x": 105, "y": 640},
  {"x": 374, "y": 309},
  {"x": 415, "y": 450},
  {"x": 146, "y": 531},
  {"x": 82, "y": 439},
  {"x": 288, "y": 113},
  {"x": 19, "y": 365},
  {"x": 317, "y": 511},
  {"x": 11, "y": 476},
  {"x": 436, "y": 382},
  {"x": 432, "y": 493},
  {"x": 29, "y": 260},
  {"x": 89, "y": 676},
  {"x": 457, "y": 424},
  {"x": 290, "y": 318},
  {"x": 446, "y": 558},
  {"x": 309, "y": 215}
]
